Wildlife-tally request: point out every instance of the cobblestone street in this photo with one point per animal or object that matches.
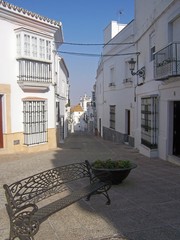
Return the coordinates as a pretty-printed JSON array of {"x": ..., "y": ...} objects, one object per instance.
[{"x": 146, "y": 206}]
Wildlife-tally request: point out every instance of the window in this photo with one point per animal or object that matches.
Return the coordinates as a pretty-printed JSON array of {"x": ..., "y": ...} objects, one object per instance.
[
  {"x": 112, "y": 116},
  {"x": 152, "y": 46},
  {"x": 42, "y": 48},
  {"x": 48, "y": 50},
  {"x": 33, "y": 46},
  {"x": 35, "y": 122},
  {"x": 26, "y": 45},
  {"x": 112, "y": 79},
  {"x": 149, "y": 121},
  {"x": 18, "y": 42},
  {"x": 112, "y": 74},
  {"x": 57, "y": 112}
]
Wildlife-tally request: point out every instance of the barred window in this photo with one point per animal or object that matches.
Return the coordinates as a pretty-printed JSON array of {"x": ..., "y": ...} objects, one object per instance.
[
  {"x": 112, "y": 116},
  {"x": 35, "y": 121},
  {"x": 149, "y": 122}
]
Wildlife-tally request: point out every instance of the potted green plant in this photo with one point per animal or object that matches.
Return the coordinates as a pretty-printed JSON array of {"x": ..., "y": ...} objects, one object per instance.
[{"x": 114, "y": 170}]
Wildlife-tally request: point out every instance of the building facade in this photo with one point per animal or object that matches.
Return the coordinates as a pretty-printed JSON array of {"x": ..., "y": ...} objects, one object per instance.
[
  {"x": 28, "y": 78},
  {"x": 145, "y": 105},
  {"x": 62, "y": 88},
  {"x": 158, "y": 99},
  {"x": 114, "y": 84}
]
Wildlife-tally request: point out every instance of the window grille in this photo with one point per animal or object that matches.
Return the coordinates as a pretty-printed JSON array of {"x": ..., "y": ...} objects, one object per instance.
[
  {"x": 149, "y": 122},
  {"x": 112, "y": 116},
  {"x": 35, "y": 122},
  {"x": 30, "y": 70}
]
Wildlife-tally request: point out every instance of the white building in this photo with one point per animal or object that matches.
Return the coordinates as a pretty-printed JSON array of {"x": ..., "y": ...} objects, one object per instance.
[
  {"x": 77, "y": 120},
  {"x": 28, "y": 78},
  {"x": 146, "y": 108},
  {"x": 62, "y": 100},
  {"x": 158, "y": 99},
  {"x": 84, "y": 102},
  {"x": 114, "y": 84}
]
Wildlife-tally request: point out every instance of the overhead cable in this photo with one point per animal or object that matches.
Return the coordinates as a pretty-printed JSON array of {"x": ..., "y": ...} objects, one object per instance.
[
  {"x": 98, "y": 55},
  {"x": 94, "y": 44}
]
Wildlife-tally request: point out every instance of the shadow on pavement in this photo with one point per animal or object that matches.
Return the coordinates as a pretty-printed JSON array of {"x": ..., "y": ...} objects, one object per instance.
[{"x": 145, "y": 206}]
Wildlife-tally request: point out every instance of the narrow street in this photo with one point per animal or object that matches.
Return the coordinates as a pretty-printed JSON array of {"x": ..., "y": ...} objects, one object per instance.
[{"x": 146, "y": 206}]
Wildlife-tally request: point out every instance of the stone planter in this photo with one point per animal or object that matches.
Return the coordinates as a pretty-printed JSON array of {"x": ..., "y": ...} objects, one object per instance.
[{"x": 116, "y": 176}]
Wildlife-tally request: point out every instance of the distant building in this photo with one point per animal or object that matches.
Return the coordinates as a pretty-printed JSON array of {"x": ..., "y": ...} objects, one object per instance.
[
  {"x": 85, "y": 101},
  {"x": 33, "y": 75},
  {"x": 77, "y": 119}
]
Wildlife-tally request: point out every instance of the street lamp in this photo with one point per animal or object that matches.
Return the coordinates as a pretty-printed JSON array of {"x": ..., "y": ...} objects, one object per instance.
[{"x": 140, "y": 72}]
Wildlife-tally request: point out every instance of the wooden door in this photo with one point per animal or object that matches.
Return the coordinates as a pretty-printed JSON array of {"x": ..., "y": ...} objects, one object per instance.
[{"x": 176, "y": 129}]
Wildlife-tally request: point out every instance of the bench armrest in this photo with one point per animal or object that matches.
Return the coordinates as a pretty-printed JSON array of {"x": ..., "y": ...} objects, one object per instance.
[
  {"x": 23, "y": 223},
  {"x": 32, "y": 206}
]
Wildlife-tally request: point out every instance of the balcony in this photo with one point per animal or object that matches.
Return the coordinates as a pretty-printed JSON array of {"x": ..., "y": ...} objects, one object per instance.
[
  {"x": 34, "y": 76},
  {"x": 167, "y": 62}
]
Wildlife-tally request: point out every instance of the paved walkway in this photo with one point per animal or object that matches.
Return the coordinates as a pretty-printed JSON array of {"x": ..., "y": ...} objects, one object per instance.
[{"x": 146, "y": 206}]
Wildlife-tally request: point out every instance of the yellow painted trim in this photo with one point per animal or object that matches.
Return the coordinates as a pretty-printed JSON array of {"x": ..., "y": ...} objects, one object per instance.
[
  {"x": 5, "y": 89},
  {"x": 14, "y": 143}
]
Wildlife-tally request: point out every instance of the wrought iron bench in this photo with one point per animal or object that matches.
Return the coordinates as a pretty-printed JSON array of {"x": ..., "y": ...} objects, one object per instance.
[{"x": 22, "y": 196}]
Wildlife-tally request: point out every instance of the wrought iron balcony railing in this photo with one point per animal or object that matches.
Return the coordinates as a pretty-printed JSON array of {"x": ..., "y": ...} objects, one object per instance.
[
  {"x": 30, "y": 70},
  {"x": 167, "y": 62},
  {"x": 36, "y": 75}
]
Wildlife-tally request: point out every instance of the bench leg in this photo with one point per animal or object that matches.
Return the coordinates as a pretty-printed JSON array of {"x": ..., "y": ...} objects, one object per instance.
[
  {"x": 20, "y": 238},
  {"x": 23, "y": 227},
  {"x": 108, "y": 199},
  {"x": 88, "y": 197},
  {"x": 104, "y": 193}
]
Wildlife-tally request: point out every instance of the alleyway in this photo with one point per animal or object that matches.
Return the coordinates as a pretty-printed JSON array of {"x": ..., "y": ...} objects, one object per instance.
[{"x": 146, "y": 206}]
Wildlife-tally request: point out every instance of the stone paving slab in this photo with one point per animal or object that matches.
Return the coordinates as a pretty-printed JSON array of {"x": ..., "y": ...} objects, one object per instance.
[{"x": 146, "y": 206}]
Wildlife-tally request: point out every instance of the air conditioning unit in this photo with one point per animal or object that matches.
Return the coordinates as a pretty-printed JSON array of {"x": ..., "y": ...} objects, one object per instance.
[{"x": 112, "y": 84}]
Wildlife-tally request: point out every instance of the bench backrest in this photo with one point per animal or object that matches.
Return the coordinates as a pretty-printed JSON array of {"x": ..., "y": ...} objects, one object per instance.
[{"x": 42, "y": 185}]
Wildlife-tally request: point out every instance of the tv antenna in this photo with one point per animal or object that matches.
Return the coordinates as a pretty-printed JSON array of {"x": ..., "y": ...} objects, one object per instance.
[{"x": 120, "y": 13}]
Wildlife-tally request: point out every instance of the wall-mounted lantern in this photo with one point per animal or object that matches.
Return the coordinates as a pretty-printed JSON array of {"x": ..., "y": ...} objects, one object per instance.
[{"x": 140, "y": 72}]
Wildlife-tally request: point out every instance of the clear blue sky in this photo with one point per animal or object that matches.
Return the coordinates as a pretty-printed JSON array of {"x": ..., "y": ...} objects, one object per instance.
[{"x": 83, "y": 22}]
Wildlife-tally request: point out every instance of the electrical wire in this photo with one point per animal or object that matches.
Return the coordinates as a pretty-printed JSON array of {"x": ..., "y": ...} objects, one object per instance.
[
  {"x": 94, "y": 44},
  {"x": 98, "y": 55}
]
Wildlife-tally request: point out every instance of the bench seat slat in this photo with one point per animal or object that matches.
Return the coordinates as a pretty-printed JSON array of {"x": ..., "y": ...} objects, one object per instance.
[{"x": 46, "y": 211}]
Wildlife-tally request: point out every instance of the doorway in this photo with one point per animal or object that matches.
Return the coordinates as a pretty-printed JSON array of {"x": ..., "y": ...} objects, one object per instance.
[
  {"x": 61, "y": 129},
  {"x": 127, "y": 122},
  {"x": 1, "y": 123},
  {"x": 100, "y": 127},
  {"x": 176, "y": 129}
]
